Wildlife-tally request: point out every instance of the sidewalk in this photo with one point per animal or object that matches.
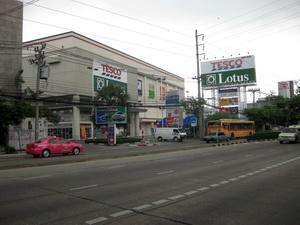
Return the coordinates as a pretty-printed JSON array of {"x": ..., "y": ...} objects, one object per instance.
[{"x": 101, "y": 151}]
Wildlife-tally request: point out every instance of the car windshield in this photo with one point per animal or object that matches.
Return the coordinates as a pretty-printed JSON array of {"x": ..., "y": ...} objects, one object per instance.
[
  {"x": 40, "y": 140},
  {"x": 212, "y": 134},
  {"x": 289, "y": 130}
]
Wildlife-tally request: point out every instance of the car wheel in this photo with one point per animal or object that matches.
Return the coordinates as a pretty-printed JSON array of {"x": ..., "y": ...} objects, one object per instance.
[
  {"x": 46, "y": 153},
  {"x": 207, "y": 141},
  {"x": 280, "y": 142},
  {"x": 159, "y": 139},
  {"x": 175, "y": 139},
  {"x": 76, "y": 151}
]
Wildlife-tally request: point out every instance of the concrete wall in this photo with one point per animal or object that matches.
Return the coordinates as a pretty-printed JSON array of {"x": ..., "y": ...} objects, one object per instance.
[{"x": 11, "y": 15}]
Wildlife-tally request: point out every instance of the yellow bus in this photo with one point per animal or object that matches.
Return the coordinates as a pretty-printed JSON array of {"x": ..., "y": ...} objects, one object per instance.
[{"x": 232, "y": 127}]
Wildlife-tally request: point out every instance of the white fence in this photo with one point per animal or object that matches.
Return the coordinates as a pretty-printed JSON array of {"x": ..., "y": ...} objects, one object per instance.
[{"x": 19, "y": 138}]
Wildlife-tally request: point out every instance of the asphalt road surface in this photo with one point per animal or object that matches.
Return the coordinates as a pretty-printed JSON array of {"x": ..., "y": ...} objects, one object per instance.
[{"x": 251, "y": 183}]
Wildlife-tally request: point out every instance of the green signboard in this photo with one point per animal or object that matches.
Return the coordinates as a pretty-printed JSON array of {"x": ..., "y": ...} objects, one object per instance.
[
  {"x": 243, "y": 77},
  {"x": 100, "y": 82}
]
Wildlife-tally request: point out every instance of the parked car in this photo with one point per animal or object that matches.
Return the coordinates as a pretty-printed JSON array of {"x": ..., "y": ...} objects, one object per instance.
[
  {"x": 216, "y": 137},
  {"x": 53, "y": 145},
  {"x": 290, "y": 134}
]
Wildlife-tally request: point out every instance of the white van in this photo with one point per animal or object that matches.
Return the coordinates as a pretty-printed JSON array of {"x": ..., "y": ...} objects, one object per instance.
[{"x": 169, "y": 133}]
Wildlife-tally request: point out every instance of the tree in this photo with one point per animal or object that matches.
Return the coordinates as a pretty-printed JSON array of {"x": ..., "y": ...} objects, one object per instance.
[
  {"x": 279, "y": 112},
  {"x": 112, "y": 95},
  {"x": 218, "y": 116},
  {"x": 12, "y": 112},
  {"x": 193, "y": 105}
]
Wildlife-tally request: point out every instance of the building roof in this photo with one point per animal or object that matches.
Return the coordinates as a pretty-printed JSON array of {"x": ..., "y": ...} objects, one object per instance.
[{"x": 97, "y": 44}]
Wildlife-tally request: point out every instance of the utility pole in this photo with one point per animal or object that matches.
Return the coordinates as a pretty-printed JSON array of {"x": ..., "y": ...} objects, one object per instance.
[
  {"x": 40, "y": 62},
  {"x": 253, "y": 94},
  {"x": 198, "y": 78}
]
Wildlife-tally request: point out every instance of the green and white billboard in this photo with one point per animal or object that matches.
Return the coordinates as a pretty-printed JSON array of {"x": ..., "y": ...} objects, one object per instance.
[
  {"x": 106, "y": 74},
  {"x": 238, "y": 71}
]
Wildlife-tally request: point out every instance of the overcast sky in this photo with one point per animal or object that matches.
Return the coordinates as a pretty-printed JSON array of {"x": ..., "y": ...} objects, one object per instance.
[{"x": 162, "y": 32}]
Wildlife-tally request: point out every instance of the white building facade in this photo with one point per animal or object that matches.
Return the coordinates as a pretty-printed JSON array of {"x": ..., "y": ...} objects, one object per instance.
[{"x": 70, "y": 89}]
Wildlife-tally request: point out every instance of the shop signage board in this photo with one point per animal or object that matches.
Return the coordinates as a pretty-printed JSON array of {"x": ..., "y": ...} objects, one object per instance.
[
  {"x": 105, "y": 74},
  {"x": 230, "y": 72},
  {"x": 228, "y": 101},
  {"x": 100, "y": 82},
  {"x": 111, "y": 115}
]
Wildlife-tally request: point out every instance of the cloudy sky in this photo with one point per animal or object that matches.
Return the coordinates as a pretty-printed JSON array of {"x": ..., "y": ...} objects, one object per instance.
[{"x": 162, "y": 32}]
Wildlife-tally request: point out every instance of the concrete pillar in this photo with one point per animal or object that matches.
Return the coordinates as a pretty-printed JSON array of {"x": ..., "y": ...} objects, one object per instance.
[
  {"x": 132, "y": 124},
  {"x": 137, "y": 124},
  {"x": 76, "y": 119}
]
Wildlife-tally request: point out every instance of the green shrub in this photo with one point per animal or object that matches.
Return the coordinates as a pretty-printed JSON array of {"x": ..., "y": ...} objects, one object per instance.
[
  {"x": 264, "y": 135},
  {"x": 120, "y": 140},
  {"x": 9, "y": 150}
]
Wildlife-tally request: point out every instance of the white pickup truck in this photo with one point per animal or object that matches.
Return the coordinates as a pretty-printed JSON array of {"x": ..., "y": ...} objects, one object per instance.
[{"x": 290, "y": 134}]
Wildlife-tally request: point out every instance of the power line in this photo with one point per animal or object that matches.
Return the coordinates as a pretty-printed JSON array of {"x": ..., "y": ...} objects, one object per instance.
[
  {"x": 20, "y": 6},
  {"x": 132, "y": 18},
  {"x": 275, "y": 21},
  {"x": 111, "y": 25},
  {"x": 108, "y": 38}
]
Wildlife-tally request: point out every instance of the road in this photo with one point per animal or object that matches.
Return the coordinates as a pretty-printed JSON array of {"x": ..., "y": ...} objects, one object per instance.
[{"x": 251, "y": 183}]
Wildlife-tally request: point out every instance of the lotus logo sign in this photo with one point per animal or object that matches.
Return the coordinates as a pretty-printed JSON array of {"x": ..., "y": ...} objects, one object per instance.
[{"x": 228, "y": 72}]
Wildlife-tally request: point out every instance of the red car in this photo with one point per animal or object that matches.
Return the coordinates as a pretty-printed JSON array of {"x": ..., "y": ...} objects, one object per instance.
[{"x": 53, "y": 145}]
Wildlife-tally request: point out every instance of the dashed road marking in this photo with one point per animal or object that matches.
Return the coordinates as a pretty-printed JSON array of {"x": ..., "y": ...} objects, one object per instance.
[
  {"x": 116, "y": 167},
  {"x": 141, "y": 207},
  {"x": 166, "y": 172},
  {"x": 224, "y": 182},
  {"x": 176, "y": 197},
  {"x": 97, "y": 220},
  {"x": 233, "y": 179},
  {"x": 162, "y": 201},
  {"x": 203, "y": 189},
  {"x": 83, "y": 187},
  {"x": 219, "y": 161},
  {"x": 190, "y": 192},
  {"x": 121, "y": 213},
  {"x": 37, "y": 177}
]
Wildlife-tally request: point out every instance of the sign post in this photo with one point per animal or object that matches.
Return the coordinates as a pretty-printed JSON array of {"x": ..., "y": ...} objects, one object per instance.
[{"x": 111, "y": 136}]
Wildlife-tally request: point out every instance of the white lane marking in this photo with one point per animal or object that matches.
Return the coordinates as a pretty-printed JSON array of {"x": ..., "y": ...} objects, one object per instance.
[
  {"x": 214, "y": 185},
  {"x": 220, "y": 161},
  {"x": 142, "y": 207},
  {"x": 83, "y": 187},
  {"x": 250, "y": 174},
  {"x": 166, "y": 172},
  {"x": 97, "y": 220},
  {"x": 233, "y": 179},
  {"x": 37, "y": 177},
  {"x": 116, "y": 167},
  {"x": 170, "y": 159},
  {"x": 190, "y": 192},
  {"x": 121, "y": 213},
  {"x": 160, "y": 202},
  {"x": 224, "y": 182},
  {"x": 242, "y": 176},
  {"x": 176, "y": 197},
  {"x": 203, "y": 189}
]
